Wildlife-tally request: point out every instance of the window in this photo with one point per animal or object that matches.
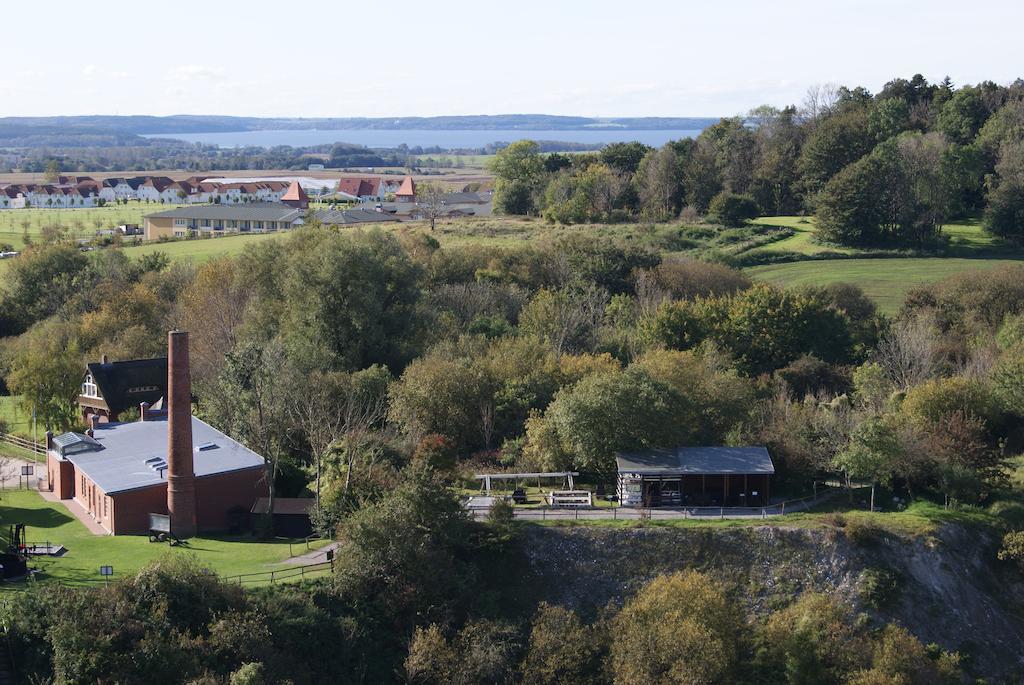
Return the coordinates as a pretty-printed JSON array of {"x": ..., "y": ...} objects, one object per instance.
[
  {"x": 89, "y": 388},
  {"x": 181, "y": 222}
]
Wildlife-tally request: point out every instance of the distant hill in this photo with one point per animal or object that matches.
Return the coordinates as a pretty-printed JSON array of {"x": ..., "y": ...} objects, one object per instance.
[{"x": 125, "y": 130}]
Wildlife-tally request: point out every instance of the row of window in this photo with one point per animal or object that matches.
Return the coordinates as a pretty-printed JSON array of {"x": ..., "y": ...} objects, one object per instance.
[{"x": 235, "y": 224}]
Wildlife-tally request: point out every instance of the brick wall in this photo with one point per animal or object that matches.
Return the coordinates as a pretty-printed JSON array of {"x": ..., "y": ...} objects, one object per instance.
[
  {"x": 217, "y": 495},
  {"x": 132, "y": 509},
  {"x": 61, "y": 475},
  {"x": 93, "y": 499}
]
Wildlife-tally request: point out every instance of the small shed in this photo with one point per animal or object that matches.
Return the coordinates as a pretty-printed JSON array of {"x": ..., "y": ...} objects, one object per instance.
[
  {"x": 291, "y": 514},
  {"x": 695, "y": 476}
]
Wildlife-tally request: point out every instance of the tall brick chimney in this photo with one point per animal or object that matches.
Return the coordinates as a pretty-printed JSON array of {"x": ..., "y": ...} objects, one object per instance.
[{"x": 181, "y": 478}]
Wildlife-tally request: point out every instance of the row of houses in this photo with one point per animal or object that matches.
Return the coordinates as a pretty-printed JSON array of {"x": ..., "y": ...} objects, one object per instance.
[
  {"x": 375, "y": 189},
  {"x": 83, "y": 191}
]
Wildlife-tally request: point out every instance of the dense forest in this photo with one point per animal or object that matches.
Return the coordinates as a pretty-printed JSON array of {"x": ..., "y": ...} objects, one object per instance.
[{"x": 882, "y": 169}]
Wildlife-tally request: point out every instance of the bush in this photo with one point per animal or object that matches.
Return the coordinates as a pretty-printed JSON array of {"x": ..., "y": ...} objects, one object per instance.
[
  {"x": 1013, "y": 548},
  {"x": 731, "y": 209},
  {"x": 879, "y": 586},
  {"x": 501, "y": 512},
  {"x": 862, "y": 534}
]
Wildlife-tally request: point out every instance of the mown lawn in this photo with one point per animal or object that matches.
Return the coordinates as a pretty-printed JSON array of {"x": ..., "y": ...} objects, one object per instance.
[
  {"x": 86, "y": 552},
  {"x": 886, "y": 281}
]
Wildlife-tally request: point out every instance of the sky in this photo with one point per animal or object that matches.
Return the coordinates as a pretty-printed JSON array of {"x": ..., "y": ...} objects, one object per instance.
[{"x": 314, "y": 58}]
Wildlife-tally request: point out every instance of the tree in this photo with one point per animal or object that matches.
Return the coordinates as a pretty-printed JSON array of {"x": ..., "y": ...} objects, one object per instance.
[
  {"x": 39, "y": 282},
  {"x": 606, "y": 413},
  {"x": 659, "y": 181},
  {"x": 409, "y": 560},
  {"x": 767, "y": 328},
  {"x": 52, "y": 172},
  {"x": 962, "y": 116},
  {"x": 679, "y": 629},
  {"x": 45, "y": 369},
  {"x": 810, "y": 642},
  {"x": 519, "y": 173},
  {"x": 348, "y": 300},
  {"x": 835, "y": 142},
  {"x": 213, "y": 309},
  {"x": 624, "y": 157},
  {"x": 1004, "y": 214},
  {"x": 250, "y": 403},
  {"x": 562, "y": 649},
  {"x": 431, "y": 202},
  {"x": 565, "y": 319},
  {"x": 730, "y": 209},
  {"x": 328, "y": 406}
]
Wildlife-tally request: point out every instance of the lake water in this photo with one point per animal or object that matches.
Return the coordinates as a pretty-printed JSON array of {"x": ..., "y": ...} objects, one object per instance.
[{"x": 447, "y": 139}]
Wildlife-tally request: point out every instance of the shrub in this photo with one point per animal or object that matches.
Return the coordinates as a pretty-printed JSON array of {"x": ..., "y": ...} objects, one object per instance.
[
  {"x": 862, "y": 534},
  {"x": 731, "y": 209},
  {"x": 501, "y": 512},
  {"x": 879, "y": 586},
  {"x": 1013, "y": 548}
]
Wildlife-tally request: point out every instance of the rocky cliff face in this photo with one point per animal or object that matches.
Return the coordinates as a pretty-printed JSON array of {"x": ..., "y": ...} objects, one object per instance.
[{"x": 945, "y": 587}]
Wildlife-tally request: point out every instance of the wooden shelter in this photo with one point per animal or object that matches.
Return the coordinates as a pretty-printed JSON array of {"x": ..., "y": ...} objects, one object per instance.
[{"x": 695, "y": 476}]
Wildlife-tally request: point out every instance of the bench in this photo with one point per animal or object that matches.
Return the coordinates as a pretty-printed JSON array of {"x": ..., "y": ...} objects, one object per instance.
[{"x": 570, "y": 498}]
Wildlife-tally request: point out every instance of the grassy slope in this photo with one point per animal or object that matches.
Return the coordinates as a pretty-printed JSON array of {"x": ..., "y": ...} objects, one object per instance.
[
  {"x": 885, "y": 280},
  {"x": 48, "y": 521}
]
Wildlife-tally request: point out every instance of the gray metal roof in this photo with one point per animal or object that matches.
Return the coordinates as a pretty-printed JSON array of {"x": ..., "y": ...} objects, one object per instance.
[
  {"x": 246, "y": 211},
  {"x": 351, "y": 216},
  {"x": 129, "y": 455},
  {"x": 697, "y": 461}
]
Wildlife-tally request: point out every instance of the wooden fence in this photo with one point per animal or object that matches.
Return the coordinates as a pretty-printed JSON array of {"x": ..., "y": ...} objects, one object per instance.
[{"x": 24, "y": 444}]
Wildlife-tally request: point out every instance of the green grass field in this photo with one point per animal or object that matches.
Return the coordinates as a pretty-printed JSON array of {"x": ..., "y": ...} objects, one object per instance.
[
  {"x": 86, "y": 552},
  {"x": 80, "y": 223},
  {"x": 886, "y": 281}
]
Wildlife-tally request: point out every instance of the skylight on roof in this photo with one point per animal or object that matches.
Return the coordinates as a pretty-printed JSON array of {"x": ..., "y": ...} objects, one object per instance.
[{"x": 202, "y": 447}]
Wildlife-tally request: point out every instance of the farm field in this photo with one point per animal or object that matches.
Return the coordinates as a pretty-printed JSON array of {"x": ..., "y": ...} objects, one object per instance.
[{"x": 49, "y": 521}]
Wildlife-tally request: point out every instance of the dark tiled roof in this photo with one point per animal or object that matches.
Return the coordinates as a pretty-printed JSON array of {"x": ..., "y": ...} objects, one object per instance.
[
  {"x": 254, "y": 211},
  {"x": 697, "y": 460},
  {"x": 351, "y": 216},
  {"x": 127, "y": 384}
]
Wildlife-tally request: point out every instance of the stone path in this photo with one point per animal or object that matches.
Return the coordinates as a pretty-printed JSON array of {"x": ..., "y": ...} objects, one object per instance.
[
  {"x": 312, "y": 557},
  {"x": 76, "y": 510}
]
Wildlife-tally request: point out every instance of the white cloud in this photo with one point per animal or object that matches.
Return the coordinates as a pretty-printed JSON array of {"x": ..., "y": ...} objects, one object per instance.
[{"x": 190, "y": 72}]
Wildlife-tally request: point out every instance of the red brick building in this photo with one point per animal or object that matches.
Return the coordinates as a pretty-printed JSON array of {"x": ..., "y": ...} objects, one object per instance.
[{"x": 167, "y": 462}]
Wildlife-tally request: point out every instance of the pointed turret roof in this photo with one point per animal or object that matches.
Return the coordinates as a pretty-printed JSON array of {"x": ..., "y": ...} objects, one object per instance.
[{"x": 295, "y": 193}]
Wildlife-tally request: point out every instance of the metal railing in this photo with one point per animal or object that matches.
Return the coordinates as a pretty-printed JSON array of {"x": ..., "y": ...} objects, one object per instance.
[
  {"x": 618, "y": 513},
  {"x": 278, "y": 575}
]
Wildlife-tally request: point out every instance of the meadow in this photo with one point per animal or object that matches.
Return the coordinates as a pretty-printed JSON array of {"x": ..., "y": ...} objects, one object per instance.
[
  {"x": 49, "y": 521},
  {"x": 885, "y": 277}
]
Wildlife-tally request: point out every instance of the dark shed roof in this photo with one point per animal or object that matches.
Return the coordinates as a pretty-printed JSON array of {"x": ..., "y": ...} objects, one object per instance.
[
  {"x": 697, "y": 461},
  {"x": 127, "y": 384}
]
